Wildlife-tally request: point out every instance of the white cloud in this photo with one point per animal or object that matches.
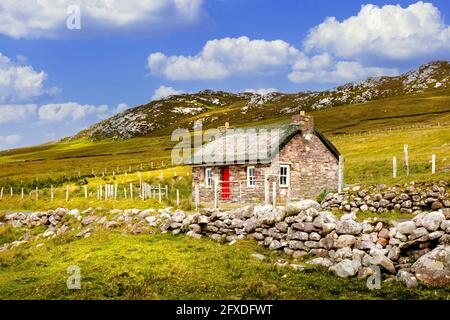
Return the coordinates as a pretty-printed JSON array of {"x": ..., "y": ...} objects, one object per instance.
[
  {"x": 47, "y": 18},
  {"x": 15, "y": 113},
  {"x": 121, "y": 107},
  {"x": 163, "y": 92},
  {"x": 222, "y": 58},
  {"x": 389, "y": 31},
  {"x": 339, "y": 72},
  {"x": 262, "y": 91},
  {"x": 70, "y": 111},
  {"x": 10, "y": 140},
  {"x": 19, "y": 83}
]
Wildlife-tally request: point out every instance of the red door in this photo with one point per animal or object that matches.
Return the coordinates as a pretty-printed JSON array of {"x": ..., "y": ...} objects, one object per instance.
[{"x": 226, "y": 183}]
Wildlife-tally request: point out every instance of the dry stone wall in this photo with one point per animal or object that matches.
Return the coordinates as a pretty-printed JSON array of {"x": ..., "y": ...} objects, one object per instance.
[
  {"x": 409, "y": 251},
  {"x": 409, "y": 198}
]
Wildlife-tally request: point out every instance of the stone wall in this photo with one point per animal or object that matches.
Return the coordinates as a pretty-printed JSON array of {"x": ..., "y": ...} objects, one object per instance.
[
  {"x": 313, "y": 167},
  {"x": 417, "y": 249},
  {"x": 408, "y": 198}
]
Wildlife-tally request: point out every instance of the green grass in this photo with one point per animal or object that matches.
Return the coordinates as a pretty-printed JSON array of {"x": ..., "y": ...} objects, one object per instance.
[{"x": 118, "y": 266}]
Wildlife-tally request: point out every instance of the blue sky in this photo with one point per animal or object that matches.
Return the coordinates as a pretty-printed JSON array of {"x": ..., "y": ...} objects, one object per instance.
[{"x": 55, "y": 81}]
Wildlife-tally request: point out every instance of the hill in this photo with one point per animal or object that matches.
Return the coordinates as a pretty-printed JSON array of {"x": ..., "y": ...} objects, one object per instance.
[
  {"x": 216, "y": 107},
  {"x": 416, "y": 104}
]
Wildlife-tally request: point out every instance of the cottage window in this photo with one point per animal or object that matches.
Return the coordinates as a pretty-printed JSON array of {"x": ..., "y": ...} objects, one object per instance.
[
  {"x": 208, "y": 178},
  {"x": 284, "y": 175},
  {"x": 251, "y": 179}
]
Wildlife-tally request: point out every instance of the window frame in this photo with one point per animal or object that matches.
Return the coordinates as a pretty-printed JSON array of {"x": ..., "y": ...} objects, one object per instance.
[
  {"x": 208, "y": 179},
  {"x": 250, "y": 181},
  {"x": 287, "y": 175}
]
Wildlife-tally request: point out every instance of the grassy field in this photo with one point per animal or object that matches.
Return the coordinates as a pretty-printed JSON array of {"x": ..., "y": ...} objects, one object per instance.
[{"x": 119, "y": 266}]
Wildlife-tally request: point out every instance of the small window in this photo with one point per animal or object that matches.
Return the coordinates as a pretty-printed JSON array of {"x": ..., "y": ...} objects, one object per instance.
[
  {"x": 208, "y": 178},
  {"x": 284, "y": 175},
  {"x": 251, "y": 179}
]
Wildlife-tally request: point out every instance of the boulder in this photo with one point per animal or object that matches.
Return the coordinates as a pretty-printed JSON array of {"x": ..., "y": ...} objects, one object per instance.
[
  {"x": 345, "y": 240},
  {"x": 298, "y": 206},
  {"x": 434, "y": 267},
  {"x": 321, "y": 261},
  {"x": 406, "y": 227},
  {"x": 345, "y": 268},
  {"x": 408, "y": 279},
  {"x": 432, "y": 220},
  {"x": 383, "y": 261},
  {"x": 348, "y": 226}
]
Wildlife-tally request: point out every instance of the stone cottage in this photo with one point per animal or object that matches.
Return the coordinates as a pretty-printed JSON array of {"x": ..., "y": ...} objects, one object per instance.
[{"x": 290, "y": 161}]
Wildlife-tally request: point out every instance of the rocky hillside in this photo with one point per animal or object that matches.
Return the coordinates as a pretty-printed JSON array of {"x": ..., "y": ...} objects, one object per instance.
[{"x": 216, "y": 107}]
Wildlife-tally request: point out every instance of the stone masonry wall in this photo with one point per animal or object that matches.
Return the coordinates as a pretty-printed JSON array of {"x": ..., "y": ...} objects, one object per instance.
[
  {"x": 408, "y": 198},
  {"x": 313, "y": 167}
]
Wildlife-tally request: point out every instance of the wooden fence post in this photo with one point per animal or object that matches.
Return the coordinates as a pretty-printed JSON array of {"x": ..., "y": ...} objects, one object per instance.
[
  {"x": 216, "y": 191},
  {"x": 178, "y": 197},
  {"x": 167, "y": 191},
  {"x": 240, "y": 192},
  {"x": 433, "y": 164},
  {"x": 159, "y": 190},
  {"x": 21, "y": 193},
  {"x": 405, "y": 150},
  {"x": 1, "y": 194},
  {"x": 341, "y": 174},
  {"x": 131, "y": 191},
  {"x": 274, "y": 194},
  {"x": 67, "y": 193},
  {"x": 394, "y": 167},
  {"x": 51, "y": 193},
  {"x": 37, "y": 193},
  {"x": 115, "y": 192},
  {"x": 266, "y": 189},
  {"x": 12, "y": 192},
  {"x": 85, "y": 192},
  {"x": 288, "y": 195}
]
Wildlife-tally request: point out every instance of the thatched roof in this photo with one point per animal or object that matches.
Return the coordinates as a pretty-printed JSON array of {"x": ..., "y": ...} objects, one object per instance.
[{"x": 250, "y": 145}]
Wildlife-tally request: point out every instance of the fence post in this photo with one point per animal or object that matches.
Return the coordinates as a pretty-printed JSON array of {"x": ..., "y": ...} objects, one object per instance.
[
  {"x": 394, "y": 167},
  {"x": 405, "y": 150},
  {"x": 67, "y": 193},
  {"x": 131, "y": 191},
  {"x": 159, "y": 190},
  {"x": 167, "y": 191},
  {"x": 1, "y": 194},
  {"x": 240, "y": 192},
  {"x": 274, "y": 194},
  {"x": 178, "y": 197},
  {"x": 433, "y": 164},
  {"x": 22, "y": 192},
  {"x": 216, "y": 190},
  {"x": 51, "y": 193},
  {"x": 115, "y": 192},
  {"x": 266, "y": 189},
  {"x": 37, "y": 193},
  {"x": 341, "y": 174},
  {"x": 288, "y": 196},
  {"x": 12, "y": 192},
  {"x": 125, "y": 193},
  {"x": 85, "y": 192}
]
